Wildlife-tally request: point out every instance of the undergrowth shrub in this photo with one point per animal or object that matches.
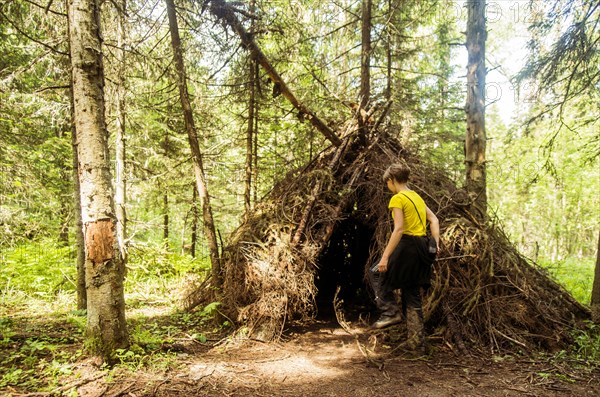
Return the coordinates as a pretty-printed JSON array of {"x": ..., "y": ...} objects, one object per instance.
[
  {"x": 40, "y": 269},
  {"x": 575, "y": 274},
  {"x": 587, "y": 343}
]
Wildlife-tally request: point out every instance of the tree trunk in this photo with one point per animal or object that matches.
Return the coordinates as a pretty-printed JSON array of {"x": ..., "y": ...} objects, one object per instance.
[
  {"x": 365, "y": 57},
  {"x": 596, "y": 287},
  {"x": 164, "y": 188},
  {"x": 104, "y": 266},
  {"x": 250, "y": 131},
  {"x": 65, "y": 216},
  {"x": 209, "y": 226},
  {"x": 365, "y": 71},
  {"x": 388, "y": 53},
  {"x": 79, "y": 239},
  {"x": 475, "y": 141},
  {"x": 194, "y": 221},
  {"x": 166, "y": 219},
  {"x": 120, "y": 188},
  {"x": 65, "y": 211},
  {"x": 255, "y": 148}
]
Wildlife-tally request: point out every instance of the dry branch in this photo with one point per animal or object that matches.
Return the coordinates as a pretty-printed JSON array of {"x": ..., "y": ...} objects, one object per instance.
[{"x": 226, "y": 13}]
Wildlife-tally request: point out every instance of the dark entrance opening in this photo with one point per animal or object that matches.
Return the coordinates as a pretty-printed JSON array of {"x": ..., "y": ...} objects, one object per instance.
[{"x": 342, "y": 264}]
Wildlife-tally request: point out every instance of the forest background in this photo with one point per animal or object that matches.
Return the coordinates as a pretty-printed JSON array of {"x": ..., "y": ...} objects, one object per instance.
[{"x": 543, "y": 146}]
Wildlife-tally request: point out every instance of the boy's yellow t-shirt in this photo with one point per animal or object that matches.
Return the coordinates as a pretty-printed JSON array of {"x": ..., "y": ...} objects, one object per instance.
[{"x": 412, "y": 224}]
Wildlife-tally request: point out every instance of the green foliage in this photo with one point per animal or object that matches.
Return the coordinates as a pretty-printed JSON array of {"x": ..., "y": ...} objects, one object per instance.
[
  {"x": 12, "y": 377},
  {"x": 35, "y": 154},
  {"x": 544, "y": 189},
  {"x": 156, "y": 276},
  {"x": 131, "y": 358},
  {"x": 157, "y": 260},
  {"x": 34, "y": 362},
  {"x": 575, "y": 274},
  {"x": 41, "y": 269},
  {"x": 587, "y": 343},
  {"x": 41, "y": 363}
]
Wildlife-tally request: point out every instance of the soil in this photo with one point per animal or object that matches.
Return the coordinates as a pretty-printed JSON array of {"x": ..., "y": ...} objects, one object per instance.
[{"x": 325, "y": 360}]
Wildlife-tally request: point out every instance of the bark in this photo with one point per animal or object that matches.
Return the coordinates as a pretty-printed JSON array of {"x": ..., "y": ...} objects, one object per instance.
[
  {"x": 104, "y": 267},
  {"x": 365, "y": 57},
  {"x": 79, "y": 238},
  {"x": 65, "y": 216},
  {"x": 209, "y": 226},
  {"x": 65, "y": 211},
  {"x": 388, "y": 53},
  {"x": 596, "y": 287},
  {"x": 224, "y": 12},
  {"x": 194, "y": 221},
  {"x": 475, "y": 142},
  {"x": 165, "y": 197},
  {"x": 120, "y": 147},
  {"x": 166, "y": 219},
  {"x": 365, "y": 72},
  {"x": 255, "y": 149},
  {"x": 250, "y": 131}
]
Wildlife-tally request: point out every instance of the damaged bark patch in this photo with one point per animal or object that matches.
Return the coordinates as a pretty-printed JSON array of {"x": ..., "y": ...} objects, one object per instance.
[{"x": 99, "y": 240}]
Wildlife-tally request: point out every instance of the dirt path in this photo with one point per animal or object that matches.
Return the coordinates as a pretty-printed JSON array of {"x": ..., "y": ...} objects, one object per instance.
[{"x": 327, "y": 361}]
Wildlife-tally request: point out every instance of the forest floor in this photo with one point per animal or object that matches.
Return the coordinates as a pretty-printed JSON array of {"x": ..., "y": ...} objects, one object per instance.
[{"x": 321, "y": 359}]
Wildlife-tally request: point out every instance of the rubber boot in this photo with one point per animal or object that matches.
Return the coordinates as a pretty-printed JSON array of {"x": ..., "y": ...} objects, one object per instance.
[{"x": 414, "y": 326}]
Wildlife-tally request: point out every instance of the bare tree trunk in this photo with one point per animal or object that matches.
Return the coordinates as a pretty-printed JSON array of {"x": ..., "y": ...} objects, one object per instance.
[
  {"x": 209, "y": 226},
  {"x": 120, "y": 147},
  {"x": 79, "y": 239},
  {"x": 255, "y": 148},
  {"x": 194, "y": 221},
  {"x": 166, "y": 219},
  {"x": 250, "y": 130},
  {"x": 65, "y": 197},
  {"x": 165, "y": 190},
  {"x": 249, "y": 144},
  {"x": 65, "y": 210},
  {"x": 221, "y": 10},
  {"x": 104, "y": 267},
  {"x": 596, "y": 287},
  {"x": 65, "y": 216},
  {"x": 388, "y": 53},
  {"x": 365, "y": 56},
  {"x": 475, "y": 141},
  {"x": 365, "y": 72}
]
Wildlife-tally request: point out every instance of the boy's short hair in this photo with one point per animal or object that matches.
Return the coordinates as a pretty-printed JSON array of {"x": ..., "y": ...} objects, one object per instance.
[{"x": 398, "y": 172}]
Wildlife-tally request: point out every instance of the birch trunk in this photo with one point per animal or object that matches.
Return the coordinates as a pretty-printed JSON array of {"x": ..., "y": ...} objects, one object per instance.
[
  {"x": 104, "y": 267},
  {"x": 475, "y": 142},
  {"x": 209, "y": 225}
]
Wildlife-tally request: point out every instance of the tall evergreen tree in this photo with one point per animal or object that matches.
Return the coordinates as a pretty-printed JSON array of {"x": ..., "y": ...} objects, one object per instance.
[
  {"x": 207, "y": 215},
  {"x": 475, "y": 142}
]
